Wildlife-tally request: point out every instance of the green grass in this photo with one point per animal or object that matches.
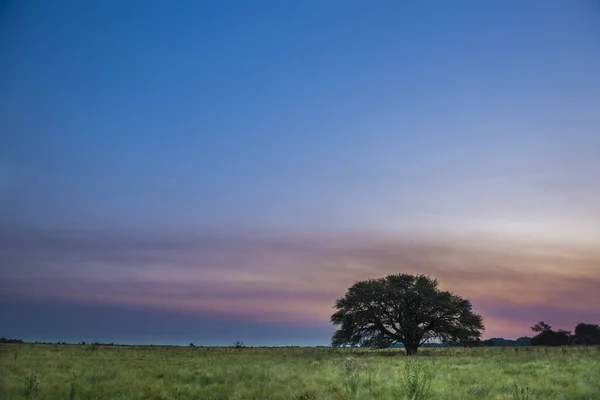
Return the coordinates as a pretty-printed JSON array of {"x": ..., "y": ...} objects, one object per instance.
[{"x": 162, "y": 373}]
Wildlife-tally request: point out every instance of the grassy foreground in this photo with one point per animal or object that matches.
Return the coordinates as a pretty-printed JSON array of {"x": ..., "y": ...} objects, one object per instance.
[{"x": 128, "y": 372}]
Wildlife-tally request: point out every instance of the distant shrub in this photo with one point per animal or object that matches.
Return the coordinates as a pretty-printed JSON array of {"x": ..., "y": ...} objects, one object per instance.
[{"x": 238, "y": 345}]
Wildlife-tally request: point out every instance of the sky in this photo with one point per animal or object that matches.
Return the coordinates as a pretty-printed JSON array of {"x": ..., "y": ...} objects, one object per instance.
[{"x": 213, "y": 171}]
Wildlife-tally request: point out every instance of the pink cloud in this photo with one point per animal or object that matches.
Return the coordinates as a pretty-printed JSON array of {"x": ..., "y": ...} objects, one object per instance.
[{"x": 297, "y": 278}]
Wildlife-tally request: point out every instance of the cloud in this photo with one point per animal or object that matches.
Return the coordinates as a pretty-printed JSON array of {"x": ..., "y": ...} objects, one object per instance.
[{"x": 296, "y": 278}]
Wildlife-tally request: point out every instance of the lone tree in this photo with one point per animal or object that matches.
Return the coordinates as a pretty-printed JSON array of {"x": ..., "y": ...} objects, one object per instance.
[{"x": 406, "y": 309}]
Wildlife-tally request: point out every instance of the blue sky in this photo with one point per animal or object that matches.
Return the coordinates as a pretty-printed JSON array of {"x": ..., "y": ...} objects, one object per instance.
[{"x": 393, "y": 119}]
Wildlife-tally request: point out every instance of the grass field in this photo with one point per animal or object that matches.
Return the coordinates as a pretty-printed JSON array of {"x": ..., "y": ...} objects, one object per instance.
[{"x": 128, "y": 372}]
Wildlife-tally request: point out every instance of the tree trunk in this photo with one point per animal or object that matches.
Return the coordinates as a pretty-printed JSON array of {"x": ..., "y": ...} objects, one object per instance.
[{"x": 411, "y": 348}]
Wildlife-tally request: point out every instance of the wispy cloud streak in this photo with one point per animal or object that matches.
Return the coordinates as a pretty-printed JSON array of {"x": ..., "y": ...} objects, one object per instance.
[{"x": 291, "y": 279}]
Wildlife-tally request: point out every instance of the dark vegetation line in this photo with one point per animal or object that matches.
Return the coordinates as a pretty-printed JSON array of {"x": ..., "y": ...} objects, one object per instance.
[{"x": 583, "y": 335}]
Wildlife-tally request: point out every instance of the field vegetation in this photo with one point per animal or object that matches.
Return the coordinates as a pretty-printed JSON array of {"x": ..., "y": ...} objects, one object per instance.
[{"x": 52, "y": 372}]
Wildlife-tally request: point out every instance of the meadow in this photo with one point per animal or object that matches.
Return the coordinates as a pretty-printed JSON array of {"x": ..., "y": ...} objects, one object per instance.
[{"x": 31, "y": 371}]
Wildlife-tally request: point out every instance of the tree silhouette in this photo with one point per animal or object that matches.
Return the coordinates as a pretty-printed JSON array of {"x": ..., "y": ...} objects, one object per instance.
[
  {"x": 541, "y": 327},
  {"x": 403, "y": 308},
  {"x": 552, "y": 338},
  {"x": 11, "y": 341},
  {"x": 548, "y": 337},
  {"x": 587, "y": 334}
]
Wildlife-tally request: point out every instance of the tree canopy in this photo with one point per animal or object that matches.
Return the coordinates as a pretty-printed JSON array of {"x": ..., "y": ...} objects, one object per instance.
[
  {"x": 541, "y": 327},
  {"x": 587, "y": 334},
  {"x": 549, "y": 337},
  {"x": 406, "y": 309}
]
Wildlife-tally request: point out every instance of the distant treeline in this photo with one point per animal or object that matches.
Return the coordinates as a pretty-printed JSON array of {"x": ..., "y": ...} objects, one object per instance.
[
  {"x": 583, "y": 335},
  {"x": 522, "y": 341},
  {"x": 5, "y": 340},
  {"x": 500, "y": 342}
]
